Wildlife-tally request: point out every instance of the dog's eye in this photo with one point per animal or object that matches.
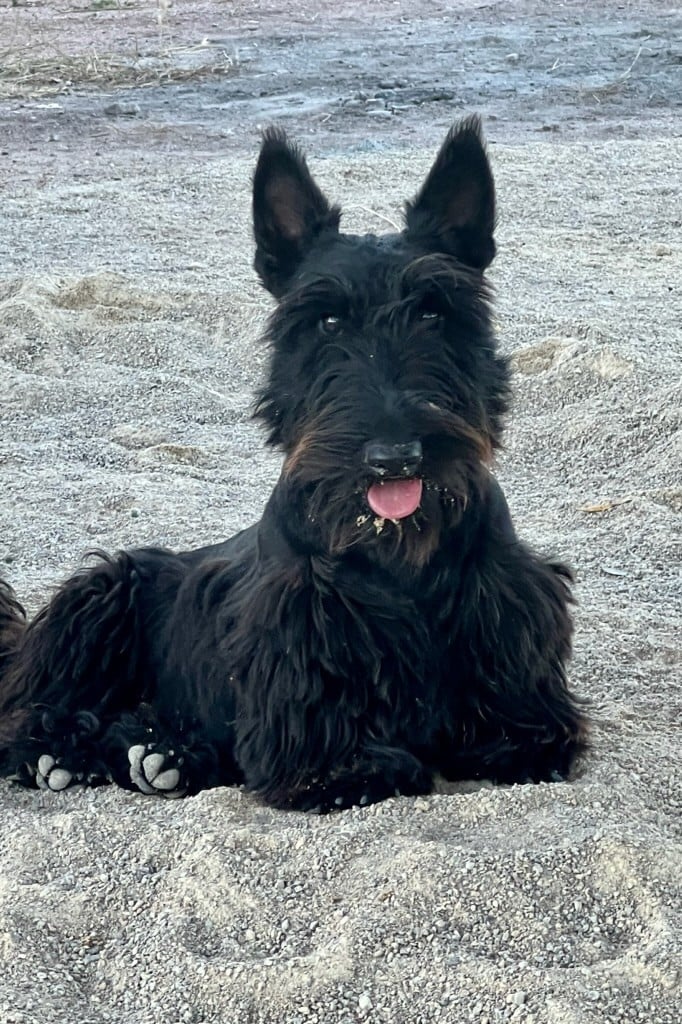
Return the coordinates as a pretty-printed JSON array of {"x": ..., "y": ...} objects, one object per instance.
[
  {"x": 331, "y": 325},
  {"x": 429, "y": 314}
]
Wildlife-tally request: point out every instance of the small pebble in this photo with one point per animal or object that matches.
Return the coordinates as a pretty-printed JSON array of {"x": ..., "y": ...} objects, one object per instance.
[{"x": 118, "y": 109}]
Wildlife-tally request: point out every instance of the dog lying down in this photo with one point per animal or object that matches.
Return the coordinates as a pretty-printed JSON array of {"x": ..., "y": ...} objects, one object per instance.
[{"x": 382, "y": 623}]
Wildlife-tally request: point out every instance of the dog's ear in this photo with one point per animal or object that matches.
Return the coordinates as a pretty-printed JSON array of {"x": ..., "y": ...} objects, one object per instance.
[
  {"x": 454, "y": 211},
  {"x": 289, "y": 211}
]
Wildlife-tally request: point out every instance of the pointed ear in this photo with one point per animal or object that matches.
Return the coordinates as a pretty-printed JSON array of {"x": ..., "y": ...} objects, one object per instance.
[
  {"x": 454, "y": 211},
  {"x": 289, "y": 211}
]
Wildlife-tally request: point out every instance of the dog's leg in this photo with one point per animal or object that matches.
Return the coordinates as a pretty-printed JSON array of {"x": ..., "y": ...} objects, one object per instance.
[
  {"x": 369, "y": 780},
  {"x": 324, "y": 719},
  {"x": 77, "y": 667},
  {"x": 513, "y": 717},
  {"x": 307, "y": 761}
]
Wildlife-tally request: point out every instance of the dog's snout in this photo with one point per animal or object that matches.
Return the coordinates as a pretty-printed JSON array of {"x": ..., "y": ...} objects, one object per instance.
[{"x": 393, "y": 460}]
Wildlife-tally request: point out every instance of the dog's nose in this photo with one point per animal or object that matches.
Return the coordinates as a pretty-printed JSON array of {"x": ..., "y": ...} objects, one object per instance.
[{"x": 393, "y": 460}]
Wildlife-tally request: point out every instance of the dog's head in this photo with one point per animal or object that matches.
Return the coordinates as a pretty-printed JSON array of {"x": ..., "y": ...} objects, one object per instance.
[{"x": 385, "y": 390}]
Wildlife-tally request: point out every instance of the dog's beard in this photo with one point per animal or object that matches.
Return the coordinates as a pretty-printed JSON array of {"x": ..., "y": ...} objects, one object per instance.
[
  {"x": 339, "y": 513},
  {"x": 411, "y": 539}
]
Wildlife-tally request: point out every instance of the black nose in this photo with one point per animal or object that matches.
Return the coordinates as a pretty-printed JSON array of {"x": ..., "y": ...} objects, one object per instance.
[{"x": 393, "y": 460}]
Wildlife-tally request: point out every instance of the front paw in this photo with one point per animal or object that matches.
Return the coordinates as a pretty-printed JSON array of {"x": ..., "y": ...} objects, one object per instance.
[
  {"x": 156, "y": 772},
  {"x": 549, "y": 761},
  {"x": 351, "y": 791},
  {"x": 338, "y": 796},
  {"x": 65, "y": 752},
  {"x": 50, "y": 774}
]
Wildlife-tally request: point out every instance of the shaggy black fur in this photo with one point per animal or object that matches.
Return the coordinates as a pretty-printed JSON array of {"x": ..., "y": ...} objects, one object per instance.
[{"x": 382, "y": 622}]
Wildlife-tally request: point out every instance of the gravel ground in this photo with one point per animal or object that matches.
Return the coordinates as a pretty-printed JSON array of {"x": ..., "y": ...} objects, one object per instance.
[{"x": 129, "y": 318}]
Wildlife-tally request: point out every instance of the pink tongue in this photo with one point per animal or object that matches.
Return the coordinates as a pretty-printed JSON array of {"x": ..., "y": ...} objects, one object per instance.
[{"x": 395, "y": 499}]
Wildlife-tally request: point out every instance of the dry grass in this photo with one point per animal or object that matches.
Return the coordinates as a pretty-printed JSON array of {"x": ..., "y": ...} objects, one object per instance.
[
  {"x": 25, "y": 76},
  {"x": 35, "y": 62},
  {"x": 600, "y": 92}
]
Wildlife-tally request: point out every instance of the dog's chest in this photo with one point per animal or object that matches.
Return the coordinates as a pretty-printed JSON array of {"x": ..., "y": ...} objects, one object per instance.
[{"x": 383, "y": 635}]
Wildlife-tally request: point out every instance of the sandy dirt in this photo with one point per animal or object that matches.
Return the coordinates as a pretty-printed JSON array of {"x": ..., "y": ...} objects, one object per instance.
[{"x": 129, "y": 320}]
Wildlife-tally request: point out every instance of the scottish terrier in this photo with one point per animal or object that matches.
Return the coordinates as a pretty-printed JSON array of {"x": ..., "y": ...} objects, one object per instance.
[{"x": 382, "y": 623}]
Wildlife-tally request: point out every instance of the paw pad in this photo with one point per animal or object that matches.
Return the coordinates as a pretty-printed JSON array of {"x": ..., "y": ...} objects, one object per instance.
[
  {"x": 50, "y": 775},
  {"x": 151, "y": 773}
]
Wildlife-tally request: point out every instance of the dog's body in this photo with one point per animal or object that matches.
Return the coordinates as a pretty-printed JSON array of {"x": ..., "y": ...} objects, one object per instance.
[{"x": 381, "y": 623}]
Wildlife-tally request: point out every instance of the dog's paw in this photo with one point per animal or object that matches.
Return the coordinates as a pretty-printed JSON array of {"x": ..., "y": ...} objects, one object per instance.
[
  {"x": 354, "y": 791},
  {"x": 52, "y": 774},
  {"x": 66, "y": 754},
  {"x": 156, "y": 772}
]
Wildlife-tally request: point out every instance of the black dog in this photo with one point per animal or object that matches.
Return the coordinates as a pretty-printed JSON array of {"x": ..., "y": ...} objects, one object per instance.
[{"x": 382, "y": 622}]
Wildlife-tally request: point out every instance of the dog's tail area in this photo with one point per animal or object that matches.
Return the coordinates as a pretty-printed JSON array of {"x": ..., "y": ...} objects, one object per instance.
[
  {"x": 12, "y": 627},
  {"x": 81, "y": 652},
  {"x": 12, "y": 630}
]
